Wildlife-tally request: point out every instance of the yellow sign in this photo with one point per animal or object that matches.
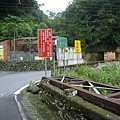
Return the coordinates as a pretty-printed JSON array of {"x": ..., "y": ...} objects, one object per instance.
[
  {"x": 77, "y": 46},
  {"x": 1, "y": 53},
  {"x": 39, "y": 58},
  {"x": 21, "y": 58}
]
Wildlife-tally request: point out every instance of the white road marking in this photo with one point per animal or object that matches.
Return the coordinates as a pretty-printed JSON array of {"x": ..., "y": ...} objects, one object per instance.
[
  {"x": 18, "y": 103},
  {"x": 20, "y": 109}
]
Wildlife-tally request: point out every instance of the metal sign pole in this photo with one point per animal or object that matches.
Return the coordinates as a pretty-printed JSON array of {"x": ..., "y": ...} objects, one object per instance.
[
  {"x": 64, "y": 62},
  {"x": 58, "y": 58},
  {"x": 54, "y": 62},
  {"x": 77, "y": 59},
  {"x": 77, "y": 48},
  {"x": 65, "y": 50},
  {"x": 45, "y": 41},
  {"x": 45, "y": 67}
]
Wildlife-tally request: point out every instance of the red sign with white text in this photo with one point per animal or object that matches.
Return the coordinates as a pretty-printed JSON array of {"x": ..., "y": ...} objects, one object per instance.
[{"x": 45, "y": 43}]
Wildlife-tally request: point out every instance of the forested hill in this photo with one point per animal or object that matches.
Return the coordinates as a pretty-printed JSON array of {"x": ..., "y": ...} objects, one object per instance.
[
  {"x": 95, "y": 22},
  {"x": 19, "y": 18},
  {"x": 28, "y": 9}
]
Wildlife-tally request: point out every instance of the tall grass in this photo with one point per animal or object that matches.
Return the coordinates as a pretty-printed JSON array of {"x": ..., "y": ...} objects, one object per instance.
[{"x": 109, "y": 73}]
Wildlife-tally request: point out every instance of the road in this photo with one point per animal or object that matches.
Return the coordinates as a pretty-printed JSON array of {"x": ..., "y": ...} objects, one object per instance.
[{"x": 10, "y": 82}]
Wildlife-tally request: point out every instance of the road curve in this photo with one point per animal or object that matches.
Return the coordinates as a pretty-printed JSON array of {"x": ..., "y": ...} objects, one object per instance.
[{"x": 10, "y": 82}]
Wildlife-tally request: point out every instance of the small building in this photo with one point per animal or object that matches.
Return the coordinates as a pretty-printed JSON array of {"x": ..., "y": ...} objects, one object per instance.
[
  {"x": 21, "y": 49},
  {"x": 26, "y": 49},
  {"x": 5, "y": 48},
  {"x": 108, "y": 56},
  {"x": 10, "y": 49}
]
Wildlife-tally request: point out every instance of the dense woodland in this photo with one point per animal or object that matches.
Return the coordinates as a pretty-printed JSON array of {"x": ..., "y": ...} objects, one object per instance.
[{"x": 95, "y": 22}]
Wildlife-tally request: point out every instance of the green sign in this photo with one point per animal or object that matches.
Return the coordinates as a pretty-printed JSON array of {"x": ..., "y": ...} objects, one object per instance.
[{"x": 61, "y": 42}]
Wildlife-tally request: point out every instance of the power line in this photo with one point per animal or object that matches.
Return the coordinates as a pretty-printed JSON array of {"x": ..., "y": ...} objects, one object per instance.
[
  {"x": 28, "y": 5},
  {"x": 106, "y": 10},
  {"x": 4, "y": 5},
  {"x": 31, "y": 5}
]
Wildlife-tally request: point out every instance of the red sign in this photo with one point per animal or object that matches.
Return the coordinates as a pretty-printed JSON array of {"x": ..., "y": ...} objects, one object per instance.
[{"x": 45, "y": 43}]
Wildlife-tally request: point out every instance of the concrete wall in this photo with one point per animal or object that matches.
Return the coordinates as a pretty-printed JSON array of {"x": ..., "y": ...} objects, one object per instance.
[
  {"x": 69, "y": 57},
  {"x": 109, "y": 56}
]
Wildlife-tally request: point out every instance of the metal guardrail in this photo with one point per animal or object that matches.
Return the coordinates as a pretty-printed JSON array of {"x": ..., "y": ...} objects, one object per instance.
[
  {"x": 86, "y": 63},
  {"x": 89, "y": 91}
]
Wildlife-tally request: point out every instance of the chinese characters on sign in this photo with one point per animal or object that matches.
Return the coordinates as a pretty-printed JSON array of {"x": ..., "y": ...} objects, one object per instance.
[
  {"x": 77, "y": 46},
  {"x": 45, "y": 43}
]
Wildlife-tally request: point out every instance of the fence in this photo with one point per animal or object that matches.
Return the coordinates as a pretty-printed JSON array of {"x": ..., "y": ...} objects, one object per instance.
[{"x": 24, "y": 56}]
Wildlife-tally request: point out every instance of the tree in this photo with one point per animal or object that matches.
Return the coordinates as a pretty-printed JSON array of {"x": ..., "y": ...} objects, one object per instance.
[
  {"x": 95, "y": 23},
  {"x": 17, "y": 7},
  {"x": 25, "y": 30},
  {"x": 13, "y": 13},
  {"x": 42, "y": 25},
  {"x": 10, "y": 25}
]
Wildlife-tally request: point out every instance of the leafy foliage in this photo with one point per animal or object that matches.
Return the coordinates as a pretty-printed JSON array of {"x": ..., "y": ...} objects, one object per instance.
[
  {"x": 95, "y": 23},
  {"x": 21, "y": 18},
  {"x": 108, "y": 74},
  {"x": 24, "y": 66}
]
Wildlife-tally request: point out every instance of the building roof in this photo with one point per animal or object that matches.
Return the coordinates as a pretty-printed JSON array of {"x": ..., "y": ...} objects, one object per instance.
[
  {"x": 27, "y": 38},
  {"x": 4, "y": 39}
]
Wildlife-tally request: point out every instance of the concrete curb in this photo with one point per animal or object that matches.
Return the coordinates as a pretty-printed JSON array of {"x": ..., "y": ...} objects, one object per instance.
[{"x": 19, "y": 104}]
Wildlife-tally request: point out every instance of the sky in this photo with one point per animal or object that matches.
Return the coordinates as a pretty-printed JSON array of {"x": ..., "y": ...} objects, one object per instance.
[{"x": 54, "y": 5}]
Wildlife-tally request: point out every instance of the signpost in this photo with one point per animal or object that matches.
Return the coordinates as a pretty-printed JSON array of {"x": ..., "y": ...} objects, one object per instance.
[
  {"x": 62, "y": 42},
  {"x": 45, "y": 45},
  {"x": 77, "y": 48},
  {"x": 65, "y": 50}
]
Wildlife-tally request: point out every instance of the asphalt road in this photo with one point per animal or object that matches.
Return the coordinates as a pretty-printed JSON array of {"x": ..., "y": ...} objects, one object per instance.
[{"x": 10, "y": 82}]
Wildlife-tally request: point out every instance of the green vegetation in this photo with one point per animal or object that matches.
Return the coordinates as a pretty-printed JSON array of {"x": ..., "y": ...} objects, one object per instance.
[
  {"x": 94, "y": 22},
  {"x": 36, "y": 108},
  {"x": 24, "y": 66},
  {"x": 21, "y": 18},
  {"x": 109, "y": 73}
]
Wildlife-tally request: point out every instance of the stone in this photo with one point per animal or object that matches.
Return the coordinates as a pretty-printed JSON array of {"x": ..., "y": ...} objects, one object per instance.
[{"x": 33, "y": 87}]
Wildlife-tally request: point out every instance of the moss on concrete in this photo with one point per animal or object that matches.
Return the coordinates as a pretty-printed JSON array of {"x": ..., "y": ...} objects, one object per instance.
[
  {"x": 36, "y": 108},
  {"x": 91, "y": 111}
]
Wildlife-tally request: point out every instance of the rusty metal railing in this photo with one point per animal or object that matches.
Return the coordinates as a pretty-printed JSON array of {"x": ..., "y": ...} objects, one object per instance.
[{"x": 90, "y": 91}]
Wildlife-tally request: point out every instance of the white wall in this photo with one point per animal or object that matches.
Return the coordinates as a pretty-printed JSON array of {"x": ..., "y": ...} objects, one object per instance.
[{"x": 70, "y": 57}]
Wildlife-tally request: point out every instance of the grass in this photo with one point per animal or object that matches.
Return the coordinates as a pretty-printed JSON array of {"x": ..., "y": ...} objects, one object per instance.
[
  {"x": 36, "y": 108},
  {"x": 108, "y": 74}
]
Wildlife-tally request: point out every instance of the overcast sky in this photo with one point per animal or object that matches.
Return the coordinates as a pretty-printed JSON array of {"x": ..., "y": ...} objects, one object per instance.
[{"x": 54, "y": 5}]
